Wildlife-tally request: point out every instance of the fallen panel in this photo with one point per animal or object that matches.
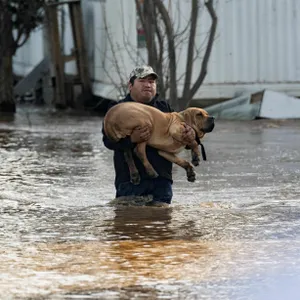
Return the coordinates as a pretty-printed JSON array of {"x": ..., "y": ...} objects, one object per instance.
[
  {"x": 279, "y": 106},
  {"x": 262, "y": 104}
]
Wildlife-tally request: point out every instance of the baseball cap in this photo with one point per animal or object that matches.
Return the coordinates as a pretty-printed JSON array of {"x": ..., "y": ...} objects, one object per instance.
[{"x": 142, "y": 72}]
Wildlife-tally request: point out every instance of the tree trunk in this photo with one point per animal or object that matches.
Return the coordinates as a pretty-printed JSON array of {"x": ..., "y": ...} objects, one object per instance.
[
  {"x": 211, "y": 38},
  {"x": 184, "y": 100},
  {"x": 7, "y": 102},
  {"x": 171, "y": 52}
]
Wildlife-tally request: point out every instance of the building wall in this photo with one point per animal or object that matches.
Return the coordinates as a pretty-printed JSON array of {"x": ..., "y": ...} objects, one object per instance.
[
  {"x": 115, "y": 46},
  {"x": 30, "y": 54},
  {"x": 256, "y": 46}
]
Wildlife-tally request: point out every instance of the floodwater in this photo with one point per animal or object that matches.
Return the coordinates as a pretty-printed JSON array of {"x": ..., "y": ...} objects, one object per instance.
[{"x": 232, "y": 234}]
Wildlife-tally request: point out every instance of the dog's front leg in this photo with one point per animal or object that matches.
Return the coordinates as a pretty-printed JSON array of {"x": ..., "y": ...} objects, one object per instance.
[
  {"x": 134, "y": 173},
  {"x": 191, "y": 175},
  {"x": 195, "y": 153}
]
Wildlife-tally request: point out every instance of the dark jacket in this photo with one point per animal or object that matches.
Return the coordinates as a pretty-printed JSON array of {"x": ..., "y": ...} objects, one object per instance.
[{"x": 162, "y": 166}]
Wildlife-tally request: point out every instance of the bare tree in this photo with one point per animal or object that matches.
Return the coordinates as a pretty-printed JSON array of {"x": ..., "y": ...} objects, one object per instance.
[
  {"x": 17, "y": 20},
  {"x": 158, "y": 28}
]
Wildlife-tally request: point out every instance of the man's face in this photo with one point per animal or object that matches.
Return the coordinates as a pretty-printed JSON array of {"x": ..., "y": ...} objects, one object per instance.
[{"x": 143, "y": 89}]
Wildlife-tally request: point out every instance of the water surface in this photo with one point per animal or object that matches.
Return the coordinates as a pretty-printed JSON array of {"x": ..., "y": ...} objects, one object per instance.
[{"x": 233, "y": 234}]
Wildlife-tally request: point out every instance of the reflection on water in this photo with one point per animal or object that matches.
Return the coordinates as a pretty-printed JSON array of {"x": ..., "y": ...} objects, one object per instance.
[
  {"x": 141, "y": 223},
  {"x": 234, "y": 234}
]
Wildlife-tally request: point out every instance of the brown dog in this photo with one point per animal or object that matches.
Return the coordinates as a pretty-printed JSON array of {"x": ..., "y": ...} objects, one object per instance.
[{"x": 166, "y": 133}]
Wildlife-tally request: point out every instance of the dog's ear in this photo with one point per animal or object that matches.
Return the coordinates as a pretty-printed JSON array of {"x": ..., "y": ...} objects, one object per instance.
[
  {"x": 201, "y": 113},
  {"x": 187, "y": 117},
  {"x": 198, "y": 114}
]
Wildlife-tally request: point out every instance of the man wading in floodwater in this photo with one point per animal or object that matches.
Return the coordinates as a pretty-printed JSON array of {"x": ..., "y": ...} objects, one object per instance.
[{"x": 142, "y": 88}]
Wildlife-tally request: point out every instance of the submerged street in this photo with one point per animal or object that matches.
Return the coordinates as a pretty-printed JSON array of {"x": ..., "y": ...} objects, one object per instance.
[{"x": 232, "y": 234}]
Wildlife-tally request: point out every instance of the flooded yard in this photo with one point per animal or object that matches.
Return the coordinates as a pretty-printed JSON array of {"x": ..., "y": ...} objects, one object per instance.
[{"x": 232, "y": 234}]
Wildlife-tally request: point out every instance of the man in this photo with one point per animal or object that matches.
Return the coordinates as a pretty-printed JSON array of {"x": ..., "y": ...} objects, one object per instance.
[{"x": 142, "y": 88}]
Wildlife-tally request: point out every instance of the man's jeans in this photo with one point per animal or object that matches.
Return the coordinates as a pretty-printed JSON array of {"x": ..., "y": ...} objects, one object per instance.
[{"x": 159, "y": 188}]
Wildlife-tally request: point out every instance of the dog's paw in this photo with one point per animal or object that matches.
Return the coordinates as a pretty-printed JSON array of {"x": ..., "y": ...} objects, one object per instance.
[
  {"x": 191, "y": 178},
  {"x": 135, "y": 178},
  {"x": 196, "y": 161},
  {"x": 152, "y": 173},
  {"x": 191, "y": 175}
]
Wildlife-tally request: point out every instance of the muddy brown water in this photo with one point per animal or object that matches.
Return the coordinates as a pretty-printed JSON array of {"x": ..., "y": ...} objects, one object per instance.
[{"x": 233, "y": 234}]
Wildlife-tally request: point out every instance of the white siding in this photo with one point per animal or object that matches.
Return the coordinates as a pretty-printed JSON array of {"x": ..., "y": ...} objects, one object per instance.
[
  {"x": 115, "y": 40},
  {"x": 257, "y": 46},
  {"x": 30, "y": 54}
]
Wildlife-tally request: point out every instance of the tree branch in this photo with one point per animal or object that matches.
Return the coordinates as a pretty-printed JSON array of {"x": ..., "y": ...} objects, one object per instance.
[
  {"x": 190, "y": 51},
  {"x": 203, "y": 72},
  {"x": 149, "y": 14},
  {"x": 159, "y": 61},
  {"x": 17, "y": 42},
  {"x": 171, "y": 50}
]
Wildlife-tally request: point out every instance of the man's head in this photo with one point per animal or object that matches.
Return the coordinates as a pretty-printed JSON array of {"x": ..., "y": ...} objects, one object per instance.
[{"x": 142, "y": 84}]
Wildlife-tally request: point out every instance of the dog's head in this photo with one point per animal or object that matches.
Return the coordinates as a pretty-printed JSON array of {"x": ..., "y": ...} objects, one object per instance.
[{"x": 199, "y": 119}]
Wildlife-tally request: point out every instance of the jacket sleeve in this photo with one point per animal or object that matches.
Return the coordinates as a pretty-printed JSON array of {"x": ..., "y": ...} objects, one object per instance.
[
  {"x": 122, "y": 144},
  {"x": 170, "y": 109}
]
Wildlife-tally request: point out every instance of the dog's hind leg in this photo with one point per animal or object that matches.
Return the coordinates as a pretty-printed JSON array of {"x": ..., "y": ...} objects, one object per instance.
[
  {"x": 140, "y": 151},
  {"x": 134, "y": 173},
  {"x": 191, "y": 175}
]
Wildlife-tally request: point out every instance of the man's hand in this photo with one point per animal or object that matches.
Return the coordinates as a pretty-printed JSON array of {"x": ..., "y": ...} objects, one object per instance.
[
  {"x": 188, "y": 134},
  {"x": 140, "y": 134}
]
